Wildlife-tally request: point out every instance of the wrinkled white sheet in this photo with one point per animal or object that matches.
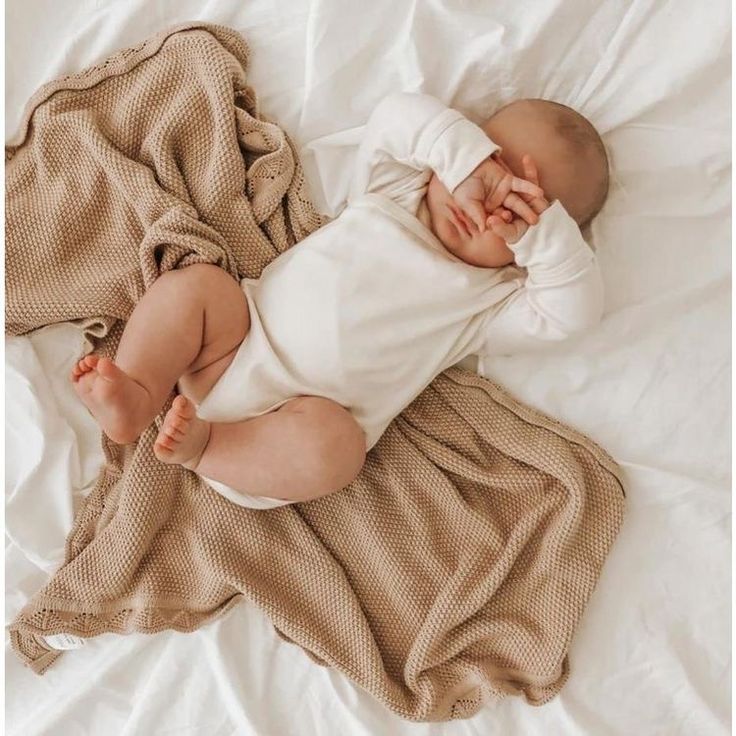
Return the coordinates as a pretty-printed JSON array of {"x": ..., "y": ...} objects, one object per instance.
[{"x": 651, "y": 384}]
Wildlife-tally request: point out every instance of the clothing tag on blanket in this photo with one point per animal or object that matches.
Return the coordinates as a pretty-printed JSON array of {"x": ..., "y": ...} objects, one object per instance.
[{"x": 64, "y": 641}]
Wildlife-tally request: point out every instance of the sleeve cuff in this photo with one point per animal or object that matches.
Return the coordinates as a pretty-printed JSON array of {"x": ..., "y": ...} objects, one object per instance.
[
  {"x": 458, "y": 146},
  {"x": 554, "y": 244}
]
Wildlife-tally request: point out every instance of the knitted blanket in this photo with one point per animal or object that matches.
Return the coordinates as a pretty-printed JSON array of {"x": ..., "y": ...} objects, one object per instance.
[{"x": 452, "y": 571}]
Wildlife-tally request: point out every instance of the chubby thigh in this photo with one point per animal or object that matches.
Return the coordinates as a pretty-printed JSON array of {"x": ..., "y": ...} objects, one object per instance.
[
  {"x": 226, "y": 324},
  {"x": 307, "y": 448}
]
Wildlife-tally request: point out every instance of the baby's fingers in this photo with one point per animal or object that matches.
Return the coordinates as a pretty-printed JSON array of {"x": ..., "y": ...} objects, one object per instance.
[
  {"x": 516, "y": 204},
  {"x": 538, "y": 204},
  {"x": 511, "y": 232},
  {"x": 526, "y": 187},
  {"x": 503, "y": 213},
  {"x": 530, "y": 169}
]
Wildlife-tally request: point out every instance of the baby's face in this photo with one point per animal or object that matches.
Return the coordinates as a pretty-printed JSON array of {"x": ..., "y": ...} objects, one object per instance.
[
  {"x": 517, "y": 131},
  {"x": 486, "y": 249}
]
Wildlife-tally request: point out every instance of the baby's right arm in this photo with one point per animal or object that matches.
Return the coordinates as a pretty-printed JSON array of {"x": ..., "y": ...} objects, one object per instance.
[{"x": 410, "y": 135}]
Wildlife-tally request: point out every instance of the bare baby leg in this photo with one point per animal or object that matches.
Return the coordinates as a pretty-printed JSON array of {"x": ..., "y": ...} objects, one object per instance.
[
  {"x": 307, "y": 448},
  {"x": 187, "y": 328},
  {"x": 188, "y": 325}
]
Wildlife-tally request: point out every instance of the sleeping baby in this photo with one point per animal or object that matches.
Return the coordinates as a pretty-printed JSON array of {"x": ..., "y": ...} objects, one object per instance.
[{"x": 457, "y": 240}]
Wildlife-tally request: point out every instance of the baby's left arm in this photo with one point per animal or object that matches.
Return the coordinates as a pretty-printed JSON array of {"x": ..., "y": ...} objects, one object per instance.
[{"x": 562, "y": 294}]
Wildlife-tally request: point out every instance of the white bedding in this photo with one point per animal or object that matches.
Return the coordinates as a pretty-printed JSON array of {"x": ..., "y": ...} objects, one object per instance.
[{"x": 651, "y": 384}]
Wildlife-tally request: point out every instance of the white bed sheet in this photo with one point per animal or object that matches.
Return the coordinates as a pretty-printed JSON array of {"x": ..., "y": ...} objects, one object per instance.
[{"x": 651, "y": 384}]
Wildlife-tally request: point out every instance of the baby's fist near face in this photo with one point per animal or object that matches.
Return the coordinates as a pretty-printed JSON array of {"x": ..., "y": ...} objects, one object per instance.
[
  {"x": 460, "y": 235},
  {"x": 513, "y": 228},
  {"x": 490, "y": 208},
  {"x": 492, "y": 185}
]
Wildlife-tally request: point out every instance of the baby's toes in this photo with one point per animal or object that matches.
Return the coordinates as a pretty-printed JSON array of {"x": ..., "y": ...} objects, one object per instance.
[
  {"x": 164, "y": 442},
  {"x": 177, "y": 424},
  {"x": 85, "y": 382},
  {"x": 183, "y": 408},
  {"x": 79, "y": 369},
  {"x": 173, "y": 432},
  {"x": 174, "y": 429}
]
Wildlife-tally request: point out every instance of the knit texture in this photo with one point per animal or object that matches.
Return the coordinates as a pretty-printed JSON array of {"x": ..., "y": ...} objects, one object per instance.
[{"x": 452, "y": 571}]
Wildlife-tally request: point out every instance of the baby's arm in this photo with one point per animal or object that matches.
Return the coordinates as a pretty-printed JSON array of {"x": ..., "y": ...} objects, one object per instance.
[
  {"x": 410, "y": 135},
  {"x": 562, "y": 293}
]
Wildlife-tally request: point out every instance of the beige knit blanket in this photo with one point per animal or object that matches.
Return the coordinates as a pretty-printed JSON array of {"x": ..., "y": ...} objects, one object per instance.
[{"x": 452, "y": 571}]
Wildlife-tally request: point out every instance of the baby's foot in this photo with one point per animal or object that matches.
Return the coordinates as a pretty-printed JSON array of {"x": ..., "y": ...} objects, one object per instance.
[
  {"x": 121, "y": 405},
  {"x": 183, "y": 437}
]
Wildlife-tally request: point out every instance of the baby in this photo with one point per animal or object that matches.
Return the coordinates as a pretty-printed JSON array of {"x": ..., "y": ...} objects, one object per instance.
[{"x": 457, "y": 240}]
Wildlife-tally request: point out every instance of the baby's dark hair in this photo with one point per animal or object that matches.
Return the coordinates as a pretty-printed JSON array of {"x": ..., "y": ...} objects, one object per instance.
[
  {"x": 579, "y": 132},
  {"x": 584, "y": 141}
]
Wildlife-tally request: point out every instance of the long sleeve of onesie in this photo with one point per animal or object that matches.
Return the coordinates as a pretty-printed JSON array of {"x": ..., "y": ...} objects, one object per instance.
[
  {"x": 561, "y": 295},
  {"x": 406, "y": 138}
]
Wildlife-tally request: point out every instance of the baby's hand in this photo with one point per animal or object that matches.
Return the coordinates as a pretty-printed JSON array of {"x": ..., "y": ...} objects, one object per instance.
[
  {"x": 491, "y": 186},
  {"x": 502, "y": 222}
]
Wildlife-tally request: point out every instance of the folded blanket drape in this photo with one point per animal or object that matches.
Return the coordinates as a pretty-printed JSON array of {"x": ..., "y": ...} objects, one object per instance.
[{"x": 452, "y": 571}]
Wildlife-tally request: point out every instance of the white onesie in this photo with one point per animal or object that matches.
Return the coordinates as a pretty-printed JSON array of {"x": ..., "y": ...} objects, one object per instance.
[{"x": 367, "y": 310}]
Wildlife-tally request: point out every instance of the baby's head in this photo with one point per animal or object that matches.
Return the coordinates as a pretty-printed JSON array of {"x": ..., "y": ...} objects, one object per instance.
[
  {"x": 568, "y": 152},
  {"x": 570, "y": 158}
]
